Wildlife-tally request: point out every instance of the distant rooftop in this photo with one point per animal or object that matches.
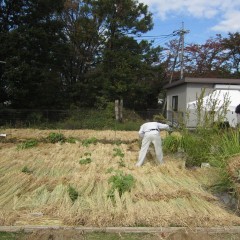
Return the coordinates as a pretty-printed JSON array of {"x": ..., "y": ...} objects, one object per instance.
[{"x": 230, "y": 81}]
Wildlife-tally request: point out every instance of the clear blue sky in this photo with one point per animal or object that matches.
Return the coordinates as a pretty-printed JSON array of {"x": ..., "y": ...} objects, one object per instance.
[{"x": 203, "y": 18}]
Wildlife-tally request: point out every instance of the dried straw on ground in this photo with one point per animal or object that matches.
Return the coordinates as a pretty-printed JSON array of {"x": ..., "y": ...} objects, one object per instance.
[{"x": 168, "y": 195}]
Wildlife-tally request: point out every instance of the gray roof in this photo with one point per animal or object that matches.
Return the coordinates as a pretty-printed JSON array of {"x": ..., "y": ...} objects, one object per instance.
[{"x": 230, "y": 81}]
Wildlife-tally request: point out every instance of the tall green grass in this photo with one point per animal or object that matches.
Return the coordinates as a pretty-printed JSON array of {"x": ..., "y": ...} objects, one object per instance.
[{"x": 213, "y": 146}]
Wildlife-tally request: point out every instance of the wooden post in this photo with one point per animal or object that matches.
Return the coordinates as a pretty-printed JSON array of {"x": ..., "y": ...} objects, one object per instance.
[{"x": 119, "y": 110}]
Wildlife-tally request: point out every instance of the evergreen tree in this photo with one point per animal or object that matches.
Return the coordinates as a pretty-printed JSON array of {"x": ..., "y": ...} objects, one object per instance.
[{"x": 32, "y": 48}]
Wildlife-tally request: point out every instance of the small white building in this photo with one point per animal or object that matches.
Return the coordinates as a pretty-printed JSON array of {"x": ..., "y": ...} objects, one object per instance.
[{"x": 182, "y": 92}]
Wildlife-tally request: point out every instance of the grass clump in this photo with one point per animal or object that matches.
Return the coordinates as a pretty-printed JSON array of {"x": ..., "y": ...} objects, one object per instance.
[
  {"x": 88, "y": 141},
  {"x": 26, "y": 170},
  {"x": 197, "y": 147},
  {"x": 86, "y": 160},
  {"x": 171, "y": 144},
  {"x": 118, "y": 153},
  {"x": 28, "y": 144},
  {"x": 121, "y": 182},
  {"x": 73, "y": 194},
  {"x": 71, "y": 140}
]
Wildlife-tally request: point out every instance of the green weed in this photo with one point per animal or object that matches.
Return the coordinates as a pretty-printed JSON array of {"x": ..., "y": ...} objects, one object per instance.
[
  {"x": 28, "y": 144},
  {"x": 84, "y": 161},
  {"x": 71, "y": 140},
  {"x": 56, "y": 137},
  {"x": 87, "y": 142},
  {"x": 25, "y": 169},
  {"x": 121, "y": 163},
  {"x": 118, "y": 152},
  {"x": 73, "y": 194},
  {"x": 120, "y": 182},
  {"x": 225, "y": 183},
  {"x": 230, "y": 143},
  {"x": 171, "y": 144}
]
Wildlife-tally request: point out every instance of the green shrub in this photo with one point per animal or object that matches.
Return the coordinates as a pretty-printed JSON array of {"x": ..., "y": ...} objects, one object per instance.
[
  {"x": 56, "y": 137},
  {"x": 28, "y": 144},
  {"x": 73, "y": 194}
]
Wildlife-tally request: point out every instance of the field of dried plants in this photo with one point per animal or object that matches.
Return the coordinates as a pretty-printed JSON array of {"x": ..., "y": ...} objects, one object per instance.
[{"x": 35, "y": 183}]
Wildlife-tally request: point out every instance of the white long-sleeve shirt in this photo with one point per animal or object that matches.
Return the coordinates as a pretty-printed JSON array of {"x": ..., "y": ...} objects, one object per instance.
[{"x": 151, "y": 127}]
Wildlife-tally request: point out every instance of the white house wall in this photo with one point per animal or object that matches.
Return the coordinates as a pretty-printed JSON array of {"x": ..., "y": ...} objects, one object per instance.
[
  {"x": 193, "y": 92},
  {"x": 188, "y": 89},
  {"x": 179, "y": 91}
]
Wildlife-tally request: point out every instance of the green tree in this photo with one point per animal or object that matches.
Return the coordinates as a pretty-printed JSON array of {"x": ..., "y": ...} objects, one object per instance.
[
  {"x": 105, "y": 60},
  {"x": 127, "y": 65},
  {"x": 32, "y": 43},
  {"x": 82, "y": 28},
  {"x": 231, "y": 45}
]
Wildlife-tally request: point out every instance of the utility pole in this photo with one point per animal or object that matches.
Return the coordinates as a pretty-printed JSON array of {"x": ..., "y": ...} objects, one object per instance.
[{"x": 181, "y": 34}]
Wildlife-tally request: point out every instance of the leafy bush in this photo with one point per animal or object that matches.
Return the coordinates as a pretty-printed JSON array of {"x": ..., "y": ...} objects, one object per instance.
[
  {"x": 28, "y": 144},
  {"x": 120, "y": 182},
  {"x": 56, "y": 137}
]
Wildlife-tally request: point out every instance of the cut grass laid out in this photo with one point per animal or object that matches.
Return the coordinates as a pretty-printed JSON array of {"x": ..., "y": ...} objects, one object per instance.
[{"x": 153, "y": 195}]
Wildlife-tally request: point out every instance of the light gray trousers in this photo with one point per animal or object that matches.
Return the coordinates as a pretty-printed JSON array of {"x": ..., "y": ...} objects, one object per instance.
[{"x": 150, "y": 137}]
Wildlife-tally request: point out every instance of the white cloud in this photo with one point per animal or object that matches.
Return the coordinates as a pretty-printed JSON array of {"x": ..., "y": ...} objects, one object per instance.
[
  {"x": 227, "y": 12},
  {"x": 230, "y": 23},
  {"x": 196, "y": 8}
]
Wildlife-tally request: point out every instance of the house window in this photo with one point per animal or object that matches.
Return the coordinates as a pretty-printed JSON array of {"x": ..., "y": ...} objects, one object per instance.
[{"x": 175, "y": 103}]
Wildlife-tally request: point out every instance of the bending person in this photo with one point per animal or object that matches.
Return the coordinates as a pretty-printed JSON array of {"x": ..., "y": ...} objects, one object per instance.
[{"x": 149, "y": 132}]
